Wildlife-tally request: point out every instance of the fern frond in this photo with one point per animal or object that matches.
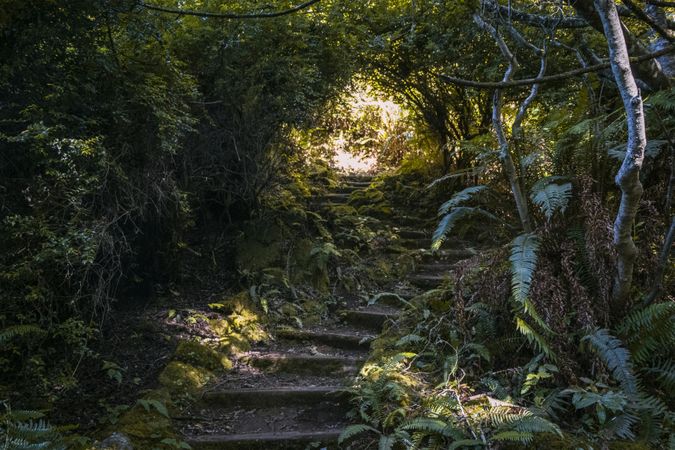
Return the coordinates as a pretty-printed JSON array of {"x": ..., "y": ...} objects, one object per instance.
[
  {"x": 426, "y": 424},
  {"x": 617, "y": 358},
  {"x": 664, "y": 373},
  {"x": 354, "y": 430},
  {"x": 18, "y": 330},
  {"x": 386, "y": 442},
  {"x": 466, "y": 443},
  {"x": 460, "y": 197},
  {"x": 513, "y": 436},
  {"x": 663, "y": 99},
  {"x": 523, "y": 263},
  {"x": 534, "y": 338},
  {"x": 551, "y": 197},
  {"x": 449, "y": 221}
]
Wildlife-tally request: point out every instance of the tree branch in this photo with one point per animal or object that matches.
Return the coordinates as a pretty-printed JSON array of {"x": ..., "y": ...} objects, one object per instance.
[
  {"x": 548, "y": 79},
  {"x": 535, "y": 20},
  {"x": 640, "y": 14},
  {"x": 661, "y": 4},
  {"x": 214, "y": 15}
]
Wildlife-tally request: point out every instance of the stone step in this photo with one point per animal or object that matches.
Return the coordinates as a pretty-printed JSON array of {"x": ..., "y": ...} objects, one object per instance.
[
  {"x": 370, "y": 319},
  {"x": 335, "y": 198},
  {"x": 303, "y": 363},
  {"x": 445, "y": 255},
  {"x": 349, "y": 188},
  {"x": 273, "y": 441},
  {"x": 426, "y": 281},
  {"x": 276, "y": 396},
  {"x": 412, "y": 222},
  {"x": 339, "y": 340}
]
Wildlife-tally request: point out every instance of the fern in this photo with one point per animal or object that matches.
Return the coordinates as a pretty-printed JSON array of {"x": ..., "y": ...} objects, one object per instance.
[
  {"x": 663, "y": 99},
  {"x": 354, "y": 430},
  {"x": 649, "y": 331},
  {"x": 448, "y": 222},
  {"x": 386, "y": 442},
  {"x": 534, "y": 338},
  {"x": 617, "y": 359},
  {"x": 17, "y": 331},
  {"x": 459, "y": 198},
  {"x": 523, "y": 263},
  {"x": 550, "y": 196},
  {"x": 466, "y": 443}
]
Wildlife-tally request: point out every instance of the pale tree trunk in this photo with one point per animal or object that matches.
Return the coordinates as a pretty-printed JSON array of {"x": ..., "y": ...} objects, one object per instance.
[
  {"x": 628, "y": 177},
  {"x": 505, "y": 154}
]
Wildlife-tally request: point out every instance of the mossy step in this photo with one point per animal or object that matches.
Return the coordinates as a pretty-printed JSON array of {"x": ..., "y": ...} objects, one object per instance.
[
  {"x": 446, "y": 255},
  {"x": 371, "y": 319},
  {"x": 349, "y": 188},
  {"x": 412, "y": 222},
  {"x": 277, "y": 396},
  {"x": 357, "y": 184},
  {"x": 273, "y": 441},
  {"x": 336, "y": 198},
  {"x": 304, "y": 364},
  {"x": 426, "y": 281},
  {"x": 338, "y": 340}
]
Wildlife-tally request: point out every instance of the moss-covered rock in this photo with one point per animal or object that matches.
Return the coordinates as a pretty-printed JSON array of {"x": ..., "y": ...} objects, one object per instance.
[
  {"x": 201, "y": 355},
  {"x": 182, "y": 377},
  {"x": 234, "y": 343},
  {"x": 148, "y": 422}
]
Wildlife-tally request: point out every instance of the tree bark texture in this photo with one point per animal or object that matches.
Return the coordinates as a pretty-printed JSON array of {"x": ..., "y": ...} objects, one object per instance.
[{"x": 628, "y": 177}]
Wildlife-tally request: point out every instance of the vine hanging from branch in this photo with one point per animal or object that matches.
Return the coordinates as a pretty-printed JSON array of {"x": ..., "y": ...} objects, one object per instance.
[{"x": 231, "y": 16}]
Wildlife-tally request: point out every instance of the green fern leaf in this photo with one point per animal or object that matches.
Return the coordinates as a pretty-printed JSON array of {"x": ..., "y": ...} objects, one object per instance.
[
  {"x": 514, "y": 436},
  {"x": 386, "y": 442},
  {"x": 534, "y": 338},
  {"x": 617, "y": 358},
  {"x": 18, "y": 330},
  {"x": 466, "y": 443},
  {"x": 354, "y": 430},
  {"x": 449, "y": 221},
  {"x": 551, "y": 197},
  {"x": 523, "y": 263},
  {"x": 459, "y": 198}
]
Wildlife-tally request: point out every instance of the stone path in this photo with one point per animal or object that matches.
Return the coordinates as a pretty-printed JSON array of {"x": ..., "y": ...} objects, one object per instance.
[{"x": 289, "y": 394}]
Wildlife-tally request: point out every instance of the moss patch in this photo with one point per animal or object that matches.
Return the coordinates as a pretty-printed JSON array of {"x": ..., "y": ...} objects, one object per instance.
[
  {"x": 181, "y": 377},
  {"x": 201, "y": 355}
]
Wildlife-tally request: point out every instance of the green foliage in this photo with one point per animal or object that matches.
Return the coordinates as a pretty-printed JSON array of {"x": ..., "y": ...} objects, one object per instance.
[
  {"x": 550, "y": 196},
  {"x": 523, "y": 264},
  {"x": 617, "y": 358},
  {"x": 450, "y": 220},
  {"x": 27, "y": 430},
  {"x": 460, "y": 197}
]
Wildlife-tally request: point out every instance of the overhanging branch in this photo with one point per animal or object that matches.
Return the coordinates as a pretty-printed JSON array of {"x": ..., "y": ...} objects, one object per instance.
[
  {"x": 214, "y": 15},
  {"x": 551, "y": 78}
]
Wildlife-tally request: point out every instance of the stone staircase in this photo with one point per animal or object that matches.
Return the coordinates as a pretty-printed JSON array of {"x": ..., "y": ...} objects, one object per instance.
[{"x": 290, "y": 394}]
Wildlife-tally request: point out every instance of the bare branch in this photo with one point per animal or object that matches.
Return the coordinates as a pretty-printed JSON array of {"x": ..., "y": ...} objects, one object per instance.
[
  {"x": 214, "y": 15},
  {"x": 640, "y": 14},
  {"x": 551, "y": 78},
  {"x": 661, "y": 4},
  {"x": 535, "y": 20}
]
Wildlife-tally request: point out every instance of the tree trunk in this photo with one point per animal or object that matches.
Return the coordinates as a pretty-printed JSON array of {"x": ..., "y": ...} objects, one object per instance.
[{"x": 628, "y": 177}]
